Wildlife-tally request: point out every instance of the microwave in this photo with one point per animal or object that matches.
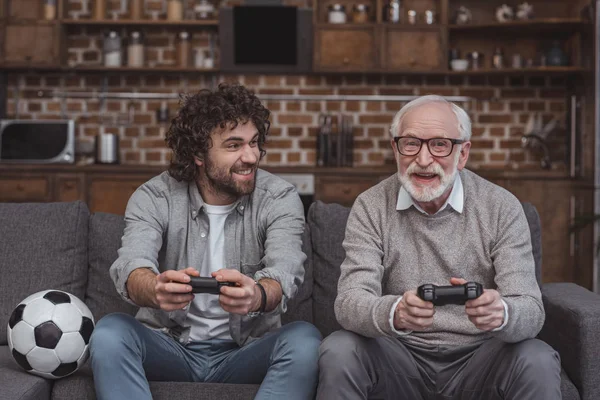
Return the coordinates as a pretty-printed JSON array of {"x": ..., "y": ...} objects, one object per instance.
[{"x": 37, "y": 141}]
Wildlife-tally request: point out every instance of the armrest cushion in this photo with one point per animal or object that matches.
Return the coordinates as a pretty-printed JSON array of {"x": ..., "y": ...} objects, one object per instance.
[{"x": 572, "y": 328}]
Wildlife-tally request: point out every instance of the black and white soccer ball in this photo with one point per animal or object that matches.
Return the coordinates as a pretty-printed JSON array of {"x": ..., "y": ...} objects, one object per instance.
[{"x": 49, "y": 333}]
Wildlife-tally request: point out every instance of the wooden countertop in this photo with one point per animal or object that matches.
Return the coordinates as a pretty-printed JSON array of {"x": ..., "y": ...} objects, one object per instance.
[{"x": 321, "y": 171}]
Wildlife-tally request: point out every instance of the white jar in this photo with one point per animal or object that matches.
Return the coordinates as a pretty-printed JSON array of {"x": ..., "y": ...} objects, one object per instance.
[
  {"x": 336, "y": 14},
  {"x": 112, "y": 50},
  {"x": 135, "y": 50},
  {"x": 199, "y": 58}
]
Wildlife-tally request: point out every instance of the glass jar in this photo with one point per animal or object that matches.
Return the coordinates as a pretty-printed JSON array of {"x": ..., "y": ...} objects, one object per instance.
[
  {"x": 183, "y": 49},
  {"x": 136, "y": 9},
  {"x": 205, "y": 10},
  {"x": 360, "y": 13},
  {"x": 174, "y": 10},
  {"x": 391, "y": 12},
  {"x": 100, "y": 9},
  {"x": 50, "y": 10},
  {"x": 429, "y": 17},
  {"x": 498, "y": 59},
  {"x": 135, "y": 50},
  {"x": 336, "y": 14},
  {"x": 412, "y": 17},
  {"x": 112, "y": 49}
]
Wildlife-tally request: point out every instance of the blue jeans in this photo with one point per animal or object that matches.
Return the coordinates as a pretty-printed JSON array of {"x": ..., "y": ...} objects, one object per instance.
[{"x": 125, "y": 355}]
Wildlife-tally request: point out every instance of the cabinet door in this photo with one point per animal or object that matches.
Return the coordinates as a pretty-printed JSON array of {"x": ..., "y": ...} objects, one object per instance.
[
  {"x": 29, "y": 43},
  {"x": 25, "y": 9},
  {"x": 340, "y": 190},
  {"x": 68, "y": 188},
  {"x": 24, "y": 189},
  {"x": 406, "y": 50},
  {"x": 111, "y": 194},
  {"x": 345, "y": 48}
]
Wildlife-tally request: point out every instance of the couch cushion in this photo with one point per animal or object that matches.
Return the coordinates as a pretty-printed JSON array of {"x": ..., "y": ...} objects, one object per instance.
[
  {"x": 567, "y": 388},
  {"x": 327, "y": 229},
  {"x": 80, "y": 385},
  {"x": 43, "y": 246},
  {"x": 300, "y": 307},
  {"x": 535, "y": 229},
  {"x": 15, "y": 383},
  {"x": 101, "y": 295}
]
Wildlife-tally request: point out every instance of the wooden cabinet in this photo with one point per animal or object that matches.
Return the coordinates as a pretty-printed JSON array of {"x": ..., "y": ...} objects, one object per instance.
[
  {"x": 419, "y": 47},
  {"x": 31, "y": 43},
  {"x": 25, "y": 9},
  {"x": 341, "y": 190},
  {"x": 567, "y": 256},
  {"x": 69, "y": 188},
  {"x": 408, "y": 49},
  {"x": 111, "y": 193},
  {"x": 35, "y": 188},
  {"x": 346, "y": 48}
]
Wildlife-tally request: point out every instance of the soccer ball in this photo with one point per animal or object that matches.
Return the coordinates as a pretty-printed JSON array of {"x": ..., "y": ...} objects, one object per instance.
[{"x": 49, "y": 333}]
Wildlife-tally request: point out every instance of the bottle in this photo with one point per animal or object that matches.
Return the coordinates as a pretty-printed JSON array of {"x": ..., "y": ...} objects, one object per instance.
[
  {"x": 135, "y": 50},
  {"x": 174, "y": 10},
  {"x": 136, "y": 8},
  {"x": 498, "y": 59},
  {"x": 49, "y": 10},
  {"x": 555, "y": 56},
  {"x": 336, "y": 14},
  {"x": 183, "y": 48},
  {"x": 205, "y": 10},
  {"x": 391, "y": 12},
  {"x": 112, "y": 49},
  {"x": 100, "y": 10}
]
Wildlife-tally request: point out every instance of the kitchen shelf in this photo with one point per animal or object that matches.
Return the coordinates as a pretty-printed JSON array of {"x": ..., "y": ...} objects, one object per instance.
[
  {"x": 102, "y": 69},
  {"x": 168, "y": 69},
  {"x": 143, "y": 22},
  {"x": 534, "y": 25},
  {"x": 524, "y": 71}
]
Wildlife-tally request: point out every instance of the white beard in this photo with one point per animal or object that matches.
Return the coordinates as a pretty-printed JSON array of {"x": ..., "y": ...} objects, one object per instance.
[{"x": 423, "y": 193}]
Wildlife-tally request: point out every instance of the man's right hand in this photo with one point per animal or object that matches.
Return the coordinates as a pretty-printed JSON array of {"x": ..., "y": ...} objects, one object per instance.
[
  {"x": 167, "y": 291},
  {"x": 413, "y": 313},
  {"x": 171, "y": 291}
]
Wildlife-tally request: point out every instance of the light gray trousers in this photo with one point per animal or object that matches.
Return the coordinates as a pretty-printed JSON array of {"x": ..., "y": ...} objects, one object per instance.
[{"x": 355, "y": 367}]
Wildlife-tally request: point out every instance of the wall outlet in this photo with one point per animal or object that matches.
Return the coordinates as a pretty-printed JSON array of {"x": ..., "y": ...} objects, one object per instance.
[{"x": 304, "y": 183}]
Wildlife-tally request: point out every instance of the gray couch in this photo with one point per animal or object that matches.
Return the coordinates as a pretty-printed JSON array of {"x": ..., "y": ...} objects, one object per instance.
[{"x": 61, "y": 246}]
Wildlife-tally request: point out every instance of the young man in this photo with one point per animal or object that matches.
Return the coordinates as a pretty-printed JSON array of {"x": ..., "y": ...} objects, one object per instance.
[
  {"x": 214, "y": 213},
  {"x": 436, "y": 222}
]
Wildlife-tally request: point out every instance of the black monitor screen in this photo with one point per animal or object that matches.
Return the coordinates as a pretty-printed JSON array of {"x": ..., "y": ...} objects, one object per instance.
[{"x": 265, "y": 35}]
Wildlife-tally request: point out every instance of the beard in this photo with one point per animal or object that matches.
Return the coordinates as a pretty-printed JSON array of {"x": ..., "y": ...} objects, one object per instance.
[
  {"x": 222, "y": 182},
  {"x": 427, "y": 193}
]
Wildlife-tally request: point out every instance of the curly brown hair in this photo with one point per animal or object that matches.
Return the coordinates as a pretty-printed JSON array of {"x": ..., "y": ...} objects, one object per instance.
[{"x": 200, "y": 114}]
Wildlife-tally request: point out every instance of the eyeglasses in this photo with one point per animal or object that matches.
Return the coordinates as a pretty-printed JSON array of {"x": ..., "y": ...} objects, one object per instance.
[{"x": 439, "y": 147}]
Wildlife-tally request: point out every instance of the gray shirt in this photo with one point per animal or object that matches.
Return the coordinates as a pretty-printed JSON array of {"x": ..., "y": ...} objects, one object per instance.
[
  {"x": 166, "y": 228},
  {"x": 390, "y": 251}
]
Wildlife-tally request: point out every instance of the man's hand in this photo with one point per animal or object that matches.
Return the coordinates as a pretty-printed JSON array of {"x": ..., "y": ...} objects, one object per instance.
[
  {"x": 171, "y": 291},
  {"x": 413, "y": 313},
  {"x": 485, "y": 312},
  {"x": 241, "y": 299}
]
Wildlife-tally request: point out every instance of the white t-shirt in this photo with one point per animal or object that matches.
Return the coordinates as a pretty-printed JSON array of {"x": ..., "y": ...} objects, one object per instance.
[{"x": 206, "y": 317}]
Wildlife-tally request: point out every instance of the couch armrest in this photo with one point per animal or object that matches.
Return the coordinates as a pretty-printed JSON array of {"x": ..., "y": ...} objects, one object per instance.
[{"x": 572, "y": 328}]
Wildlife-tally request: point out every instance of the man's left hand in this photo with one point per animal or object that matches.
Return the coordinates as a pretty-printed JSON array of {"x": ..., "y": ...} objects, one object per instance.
[
  {"x": 241, "y": 299},
  {"x": 485, "y": 312}
]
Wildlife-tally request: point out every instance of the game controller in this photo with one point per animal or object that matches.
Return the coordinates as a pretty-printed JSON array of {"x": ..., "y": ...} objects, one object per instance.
[
  {"x": 207, "y": 285},
  {"x": 442, "y": 295}
]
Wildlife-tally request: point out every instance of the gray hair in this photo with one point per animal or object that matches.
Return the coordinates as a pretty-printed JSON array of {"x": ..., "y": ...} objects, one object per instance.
[{"x": 464, "y": 121}]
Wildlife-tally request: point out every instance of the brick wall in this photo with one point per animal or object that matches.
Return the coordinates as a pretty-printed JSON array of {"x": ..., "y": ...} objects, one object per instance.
[
  {"x": 497, "y": 124},
  {"x": 500, "y": 108}
]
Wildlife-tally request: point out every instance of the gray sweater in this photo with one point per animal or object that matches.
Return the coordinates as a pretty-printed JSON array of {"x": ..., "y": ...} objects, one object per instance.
[{"x": 389, "y": 252}]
